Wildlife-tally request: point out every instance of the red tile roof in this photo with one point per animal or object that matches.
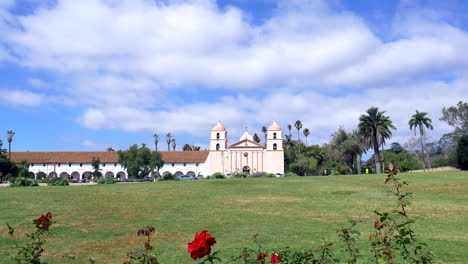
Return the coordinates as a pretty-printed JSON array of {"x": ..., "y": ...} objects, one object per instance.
[{"x": 104, "y": 156}]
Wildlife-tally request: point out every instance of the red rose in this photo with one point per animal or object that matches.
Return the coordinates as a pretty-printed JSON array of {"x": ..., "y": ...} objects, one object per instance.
[
  {"x": 261, "y": 256},
  {"x": 42, "y": 222},
  {"x": 275, "y": 257},
  {"x": 201, "y": 245}
]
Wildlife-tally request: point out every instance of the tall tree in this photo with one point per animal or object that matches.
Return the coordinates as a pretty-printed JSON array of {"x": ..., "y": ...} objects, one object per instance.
[
  {"x": 256, "y": 138},
  {"x": 457, "y": 117},
  {"x": 306, "y": 133},
  {"x": 96, "y": 163},
  {"x": 2, "y": 151},
  {"x": 374, "y": 128},
  {"x": 10, "y": 134},
  {"x": 289, "y": 128},
  {"x": 298, "y": 126},
  {"x": 462, "y": 152},
  {"x": 173, "y": 144},
  {"x": 396, "y": 148},
  {"x": 419, "y": 120},
  {"x": 140, "y": 161},
  {"x": 264, "y": 131},
  {"x": 168, "y": 141},
  {"x": 156, "y": 140}
]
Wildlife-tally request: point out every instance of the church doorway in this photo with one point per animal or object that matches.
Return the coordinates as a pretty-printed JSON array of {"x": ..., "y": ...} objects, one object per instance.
[{"x": 246, "y": 169}]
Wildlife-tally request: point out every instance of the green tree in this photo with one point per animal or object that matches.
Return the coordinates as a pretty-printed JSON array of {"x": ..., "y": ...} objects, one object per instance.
[
  {"x": 10, "y": 134},
  {"x": 374, "y": 128},
  {"x": 173, "y": 144},
  {"x": 304, "y": 165},
  {"x": 8, "y": 169},
  {"x": 186, "y": 147},
  {"x": 156, "y": 140},
  {"x": 140, "y": 161},
  {"x": 457, "y": 117},
  {"x": 110, "y": 149},
  {"x": 256, "y": 138},
  {"x": 168, "y": 141},
  {"x": 419, "y": 120},
  {"x": 96, "y": 163},
  {"x": 403, "y": 161},
  {"x": 396, "y": 148},
  {"x": 462, "y": 152},
  {"x": 346, "y": 148},
  {"x": 298, "y": 126},
  {"x": 306, "y": 133},
  {"x": 289, "y": 128},
  {"x": 2, "y": 150},
  {"x": 264, "y": 131}
]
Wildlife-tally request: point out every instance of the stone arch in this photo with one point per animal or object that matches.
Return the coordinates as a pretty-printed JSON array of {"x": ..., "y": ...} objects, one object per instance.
[
  {"x": 41, "y": 175},
  {"x": 121, "y": 176},
  {"x": 275, "y": 146},
  {"x": 86, "y": 175},
  {"x": 246, "y": 169},
  {"x": 178, "y": 173},
  {"x": 32, "y": 175},
  {"x": 75, "y": 176},
  {"x": 191, "y": 173},
  {"x": 64, "y": 175},
  {"x": 274, "y": 135},
  {"x": 52, "y": 174},
  {"x": 218, "y": 146},
  {"x": 109, "y": 174},
  {"x": 217, "y": 135}
]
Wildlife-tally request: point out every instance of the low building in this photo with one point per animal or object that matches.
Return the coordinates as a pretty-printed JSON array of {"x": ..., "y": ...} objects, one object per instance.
[{"x": 246, "y": 155}]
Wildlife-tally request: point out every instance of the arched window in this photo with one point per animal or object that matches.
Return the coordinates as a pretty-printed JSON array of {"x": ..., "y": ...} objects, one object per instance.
[
  {"x": 274, "y": 135},
  {"x": 217, "y": 135},
  {"x": 217, "y": 146},
  {"x": 275, "y": 146}
]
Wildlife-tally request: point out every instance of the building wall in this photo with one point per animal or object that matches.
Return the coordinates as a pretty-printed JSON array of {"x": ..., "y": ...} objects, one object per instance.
[
  {"x": 115, "y": 168},
  {"x": 274, "y": 161}
]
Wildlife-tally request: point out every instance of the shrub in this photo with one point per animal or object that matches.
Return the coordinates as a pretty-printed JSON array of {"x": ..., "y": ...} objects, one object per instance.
[
  {"x": 218, "y": 175},
  {"x": 241, "y": 175},
  {"x": 24, "y": 182},
  {"x": 58, "y": 182},
  {"x": 290, "y": 174},
  {"x": 107, "y": 180},
  {"x": 268, "y": 175},
  {"x": 167, "y": 176}
]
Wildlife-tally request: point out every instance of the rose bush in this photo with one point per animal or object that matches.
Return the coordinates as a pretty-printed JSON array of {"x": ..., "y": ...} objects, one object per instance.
[{"x": 201, "y": 245}]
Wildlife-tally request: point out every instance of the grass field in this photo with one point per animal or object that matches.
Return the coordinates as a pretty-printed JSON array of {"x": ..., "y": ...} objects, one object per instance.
[{"x": 101, "y": 220}]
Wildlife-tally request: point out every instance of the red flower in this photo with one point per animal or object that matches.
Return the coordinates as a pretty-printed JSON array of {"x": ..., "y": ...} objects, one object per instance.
[
  {"x": 275, "y": 257},
  {"x": 261, "y": 256},
  {"x": 43, "y": 222},
  {"x": 201, "y": 245}
]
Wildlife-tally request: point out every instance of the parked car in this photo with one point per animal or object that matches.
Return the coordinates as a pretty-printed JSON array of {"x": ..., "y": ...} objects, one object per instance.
[
  {"x": 279, "y": 174},
  {"x": 186, "y": 177}
]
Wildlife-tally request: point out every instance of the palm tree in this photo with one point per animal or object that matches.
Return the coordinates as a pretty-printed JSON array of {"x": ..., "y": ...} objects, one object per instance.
[
  {"x": 168, "y": 141},
  {"x": 306, "y": 133},
  {"x": 288, "y": 142},
  {"x": 298, "y": 126},
  {"x": 374, "y": 129},
  {"x": 264, "y": 130},
  {"x": 420, "y": 120},
  {"x": 173, "y": 143},
  {"x": 289, "y": 128},
  {"x": 10, "y": 134},
  {"x": 156, "y": 140},
  {"x": 110, "y": 149}
]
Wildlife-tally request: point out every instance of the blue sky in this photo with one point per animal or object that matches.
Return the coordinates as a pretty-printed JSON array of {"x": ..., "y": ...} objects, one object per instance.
[{"x": 91, "y": 74}]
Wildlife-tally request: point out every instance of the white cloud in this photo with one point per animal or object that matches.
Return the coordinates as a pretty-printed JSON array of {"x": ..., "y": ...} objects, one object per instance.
[{"x": 22, "y": 98}]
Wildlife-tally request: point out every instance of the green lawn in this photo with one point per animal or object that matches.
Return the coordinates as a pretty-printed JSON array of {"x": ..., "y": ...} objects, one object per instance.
[{"x": 101, "y": 220}]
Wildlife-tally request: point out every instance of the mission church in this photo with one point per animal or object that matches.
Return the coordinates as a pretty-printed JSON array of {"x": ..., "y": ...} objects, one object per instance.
[{"x": 246, "y": 155}]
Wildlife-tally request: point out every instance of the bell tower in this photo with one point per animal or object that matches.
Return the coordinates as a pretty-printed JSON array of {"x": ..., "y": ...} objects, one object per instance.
[
  {"x": 274, "y": 153},
  {"x": 218, "y": 138}
]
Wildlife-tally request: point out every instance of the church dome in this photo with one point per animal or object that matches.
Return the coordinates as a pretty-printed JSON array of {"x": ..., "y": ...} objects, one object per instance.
[
  {"x": 274, "y": 127},
  {"x": 218, "y": 127}
]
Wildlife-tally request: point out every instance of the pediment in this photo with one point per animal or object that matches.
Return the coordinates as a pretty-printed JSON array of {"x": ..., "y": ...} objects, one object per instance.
[{"x": 246, "y": 144}]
